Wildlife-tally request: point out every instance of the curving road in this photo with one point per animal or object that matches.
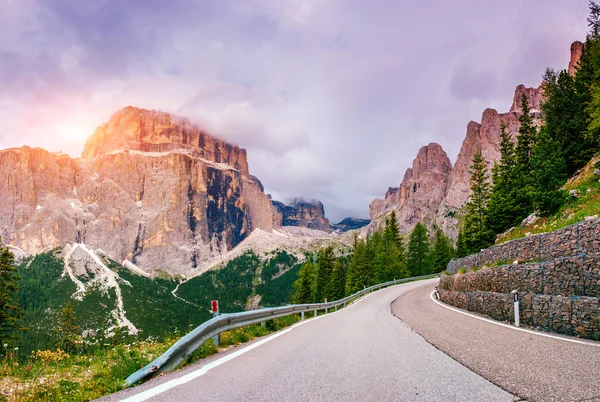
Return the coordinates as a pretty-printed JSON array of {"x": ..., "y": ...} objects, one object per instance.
[
  {"x": 533, "y": 366},
  {"x": 361, "y": 353}
]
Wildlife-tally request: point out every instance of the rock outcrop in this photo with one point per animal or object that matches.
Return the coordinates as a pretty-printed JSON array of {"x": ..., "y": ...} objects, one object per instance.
[
  {"x": 348, "y": 224},
  {"x": 576, "y": 51},
  {"x": 420, "y": 193},
  {"x": 150, "y": 188},
  {"x": 301, "y": 213}
]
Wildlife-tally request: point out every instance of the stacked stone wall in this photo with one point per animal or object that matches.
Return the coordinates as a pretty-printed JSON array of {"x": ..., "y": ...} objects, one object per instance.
[
  {"x": 580, "y": 238},
  {"x": 570, "y": 315}
]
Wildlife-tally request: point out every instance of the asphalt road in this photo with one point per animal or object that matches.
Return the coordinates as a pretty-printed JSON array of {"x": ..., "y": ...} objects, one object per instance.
[
  {"x": 361, "y": 353},
  {"x": 533, "y": 367}
]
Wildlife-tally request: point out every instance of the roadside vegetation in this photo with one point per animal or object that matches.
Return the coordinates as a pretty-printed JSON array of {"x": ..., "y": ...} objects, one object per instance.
[
  {"x": 55, "y": 375},
  {"x": 380, "y": 257}
]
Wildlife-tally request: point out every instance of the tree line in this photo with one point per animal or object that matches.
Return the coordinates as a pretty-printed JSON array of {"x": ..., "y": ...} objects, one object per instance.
[
  {"x": 380, "y": 257},
  {"x": 530, "y": 174}
]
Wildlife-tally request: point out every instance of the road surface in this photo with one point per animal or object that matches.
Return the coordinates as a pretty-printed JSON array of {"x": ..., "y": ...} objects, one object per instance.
[
  {"x": 360, "y": 353},
  {"x": 533, "y": 367}
]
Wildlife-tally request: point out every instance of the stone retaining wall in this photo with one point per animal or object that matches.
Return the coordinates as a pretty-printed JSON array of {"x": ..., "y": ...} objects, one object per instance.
[
  {"x": 580, "y": 238},
  {"x": 569, "y": 276},
  {"x": 570, "y": 315}
]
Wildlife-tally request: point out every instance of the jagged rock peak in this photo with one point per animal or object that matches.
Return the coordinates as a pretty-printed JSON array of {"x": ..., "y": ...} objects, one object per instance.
[
  {"x": 431, "y": 157},
  {"x": 302, "y": 213},
  {"x": 132, "y": 128},
  {"x": 428, "y": 175},
  {"x": 576, "y": 51},
  {"x": 391, "y": 191},
  {"x": 533, "y": 94}
]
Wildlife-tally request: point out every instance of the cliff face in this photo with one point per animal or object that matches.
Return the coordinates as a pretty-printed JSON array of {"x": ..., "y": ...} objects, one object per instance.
[
  {"x": 301, "y": 213},
  {"x": 447, "y": 208},
  {"x": 150, "y": 188},
  {"x": 421, "y": 191}
]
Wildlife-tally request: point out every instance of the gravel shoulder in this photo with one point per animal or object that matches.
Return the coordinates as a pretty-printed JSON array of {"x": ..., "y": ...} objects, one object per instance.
[{"x": 532, "y": 367}]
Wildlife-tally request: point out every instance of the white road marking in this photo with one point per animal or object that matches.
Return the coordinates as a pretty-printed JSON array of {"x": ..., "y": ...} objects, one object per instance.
[
  {"x": 589, "y": 343},
  {"x": 159, "y": 389}
]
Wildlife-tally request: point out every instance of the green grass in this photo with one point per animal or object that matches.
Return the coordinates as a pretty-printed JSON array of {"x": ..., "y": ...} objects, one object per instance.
[{"x": 82, "y": 377}]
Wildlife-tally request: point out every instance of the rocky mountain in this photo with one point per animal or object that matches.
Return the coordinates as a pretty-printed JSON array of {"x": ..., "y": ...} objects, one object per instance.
[
  {"x": 448, "y": 186},
  {"x": 301, "y": 213},
  {"x": 151, "y": 189},
  {"x": 348, "y": 224},
  {"x": 421, "y": 191}
]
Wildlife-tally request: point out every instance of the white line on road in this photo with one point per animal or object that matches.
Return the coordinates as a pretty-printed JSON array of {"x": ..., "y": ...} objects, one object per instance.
[
  {"x": 513, "y": 327},
  {"x": 159, "y": 389}
]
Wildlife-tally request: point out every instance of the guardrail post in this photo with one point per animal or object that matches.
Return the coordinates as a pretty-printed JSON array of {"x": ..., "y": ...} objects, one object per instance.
[
  {"x": 302, "y": 315},
  {"x": 315, "y": 313},
  {"x": 516, "y": 306},
  {"x": 263, "y": 324},
  {"x": 326, "y": 310},
  {"x": 335, "y": 308},
  {"x": 217, "y": 337}
]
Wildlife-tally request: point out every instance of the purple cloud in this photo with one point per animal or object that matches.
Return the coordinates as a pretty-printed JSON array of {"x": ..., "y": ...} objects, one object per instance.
[{"x": 332, "y": 98}]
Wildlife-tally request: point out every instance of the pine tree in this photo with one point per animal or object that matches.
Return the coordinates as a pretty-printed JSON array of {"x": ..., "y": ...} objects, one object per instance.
[
  {"x": 566, "y": 117},
  {"x": 441, "y": 251},
  {"x": 304, "y": 285},
  {"x": 548, "y": 174},
  {"x": 418, "y": 262},
  {"x": 359, "y": 274},
  {"x": 67, "y": 331},
  {"x": 476, "y": 232},
  {"x": 324, "y": 269},
  {"x": 588, "y": 76},
  {"x": 395, "y": 249},
  {"x": 461, "y": 245},
  {"x": 523, "y": 169},
  {"x": 380, "y": 256},
  {"x": 502, "y": 211},
  {"x": 10, "y": 312},
  {"x": 392, "y": 231},
  {"x": 338, "y": 280}
]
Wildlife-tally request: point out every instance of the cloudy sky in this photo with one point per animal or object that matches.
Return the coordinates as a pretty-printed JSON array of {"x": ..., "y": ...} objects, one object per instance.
[{"x": 332, "y": 98}]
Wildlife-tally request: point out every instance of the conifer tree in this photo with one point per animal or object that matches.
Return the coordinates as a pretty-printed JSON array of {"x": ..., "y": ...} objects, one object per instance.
[
  {"x": 10, "y": 312},
  {"x": 441, "y": 251},
  {"x": 502, "y": 210},
  {"x": 587, "y": 78},
  {"x": 566, "y": 118},
  {"x": 548, "y": 174},
  {"x": 324, "y": 269},
  {"x": 304, "y": 285},
  {"x": 476, "y": 232},
  {"x": 380, "y": 256},
  {"x": 461, "y": 245},
  {"x": 338, "y": 280},
  {"x": 392, "y": 231},
  {"x": 417, "y": 262},
  {"x": 359, "y": 274},
  {"x": 67, "y": 331},
  {"x": 527, "y": 131}
]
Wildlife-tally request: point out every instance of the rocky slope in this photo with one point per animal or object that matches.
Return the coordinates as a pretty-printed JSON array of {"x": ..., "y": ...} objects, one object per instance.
[
  {"x": 150, "y": 188},
  {"x": 348, "y": 224},
  {"x": 448, "y": 188},
  {"x": 301, "y": 213}
]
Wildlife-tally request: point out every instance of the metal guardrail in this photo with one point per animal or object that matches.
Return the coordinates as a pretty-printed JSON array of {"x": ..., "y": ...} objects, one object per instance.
[{"x": 177, "y": 353}]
